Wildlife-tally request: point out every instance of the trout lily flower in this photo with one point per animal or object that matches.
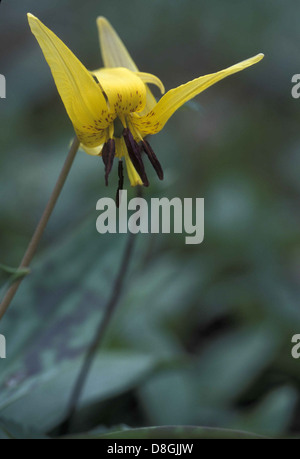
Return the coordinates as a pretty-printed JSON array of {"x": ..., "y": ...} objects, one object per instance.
[{"x": 112, "y": 109}]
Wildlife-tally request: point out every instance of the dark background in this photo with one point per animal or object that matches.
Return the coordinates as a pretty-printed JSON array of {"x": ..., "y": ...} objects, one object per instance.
[{"x": 203, "y": 333}]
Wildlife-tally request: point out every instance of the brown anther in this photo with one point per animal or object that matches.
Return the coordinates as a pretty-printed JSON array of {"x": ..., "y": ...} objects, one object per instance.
[
  {"x": 134, "y": 151},
  {"x": 108, "y": 155},
  {"x": 153, "y": 159}
]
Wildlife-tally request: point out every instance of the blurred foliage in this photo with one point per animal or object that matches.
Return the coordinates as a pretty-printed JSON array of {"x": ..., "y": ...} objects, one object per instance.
[
  {"x": 203, "y": 334},
  {"x": 9, "y": 275},
  {"x": 177, "y": 432}
]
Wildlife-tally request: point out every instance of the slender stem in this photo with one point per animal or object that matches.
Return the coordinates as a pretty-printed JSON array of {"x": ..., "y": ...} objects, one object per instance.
[
  {"x": 33, "y": 245},
  {"x": 100, "y": 332}
]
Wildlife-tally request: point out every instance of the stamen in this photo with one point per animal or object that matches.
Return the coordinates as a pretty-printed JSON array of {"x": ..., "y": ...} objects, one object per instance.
[
  {"x": 153, "y": 159},
  {"x": 108, "y": 155},
  {"x": 134, "y": 152},
  {"x": 121, "y": 182}
]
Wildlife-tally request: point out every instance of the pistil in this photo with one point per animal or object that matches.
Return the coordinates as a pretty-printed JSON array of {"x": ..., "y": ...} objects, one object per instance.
[{"x": 121, "y": 182}]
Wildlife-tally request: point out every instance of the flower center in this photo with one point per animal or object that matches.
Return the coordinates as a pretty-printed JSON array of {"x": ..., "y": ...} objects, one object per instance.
[{"x": 126, "y": 92}]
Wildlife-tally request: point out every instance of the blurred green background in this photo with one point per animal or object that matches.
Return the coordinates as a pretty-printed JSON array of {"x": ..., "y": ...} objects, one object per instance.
[{"x": 203, "y": 333}]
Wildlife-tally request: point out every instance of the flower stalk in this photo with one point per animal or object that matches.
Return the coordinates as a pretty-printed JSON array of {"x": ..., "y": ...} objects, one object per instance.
[
  {"x": 105, "y": 320},
  {"x": 33, "y": 245}
]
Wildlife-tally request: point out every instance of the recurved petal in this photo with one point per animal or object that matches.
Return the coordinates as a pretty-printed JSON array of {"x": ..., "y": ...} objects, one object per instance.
[
  {"x": 115, "y": 54},
  {"x": 81, "y": 95},
  {"x": 155, "y": 120},
  {"x": 151, "y": 79}
]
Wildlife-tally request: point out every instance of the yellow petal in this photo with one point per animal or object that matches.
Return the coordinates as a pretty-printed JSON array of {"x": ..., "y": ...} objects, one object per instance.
[
  {"x": 115, "y": 54},
  {"x": 126, "y": 92},
  {"x": 81, "y": 95},
  {"x": 152, "y": 79},
  {"x": 96, "y": 151},
  {"x": 155, "y": 120},
  {"x": 133, "y": 176}
]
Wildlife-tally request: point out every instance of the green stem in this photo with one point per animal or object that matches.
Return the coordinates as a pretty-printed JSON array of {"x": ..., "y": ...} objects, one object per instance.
[
  {"x": 112, "y": 303},
  {"x": 33, "y": 245}
]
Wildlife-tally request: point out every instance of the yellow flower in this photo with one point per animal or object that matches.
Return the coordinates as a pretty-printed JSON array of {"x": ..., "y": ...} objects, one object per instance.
[{"x": 112, "y": 109}]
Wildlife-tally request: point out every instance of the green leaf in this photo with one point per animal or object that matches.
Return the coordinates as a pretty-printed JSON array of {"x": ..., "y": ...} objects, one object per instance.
[
  {"x": 274, "y": 414},
  {"x": 40, "y": 401},
  {"x": 50, "y": 325},
  {"x": 10, "y": 430},
  {"x": 54, "y": 318},
  {"x": 169, "y": 407},
  {"x": 232, "y": 362}
]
